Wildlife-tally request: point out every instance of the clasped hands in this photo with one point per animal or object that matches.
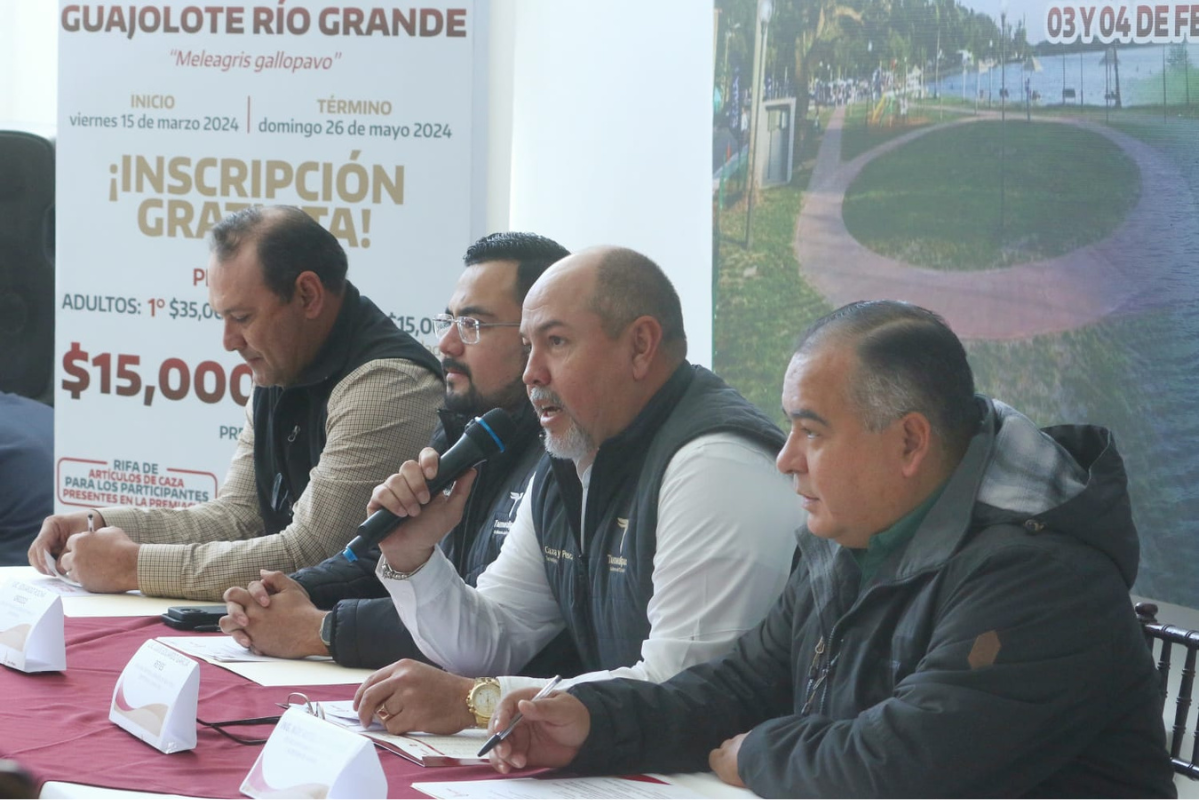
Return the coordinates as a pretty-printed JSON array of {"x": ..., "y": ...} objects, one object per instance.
[{"x": 274, "y": 615}]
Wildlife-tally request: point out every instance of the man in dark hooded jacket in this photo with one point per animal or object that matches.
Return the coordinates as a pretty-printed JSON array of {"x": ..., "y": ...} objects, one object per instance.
[{"x": 959, "y": 623}]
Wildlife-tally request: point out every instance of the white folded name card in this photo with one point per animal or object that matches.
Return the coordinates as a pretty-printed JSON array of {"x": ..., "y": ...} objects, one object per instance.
[
  {"x": 31, "y": 628},
  {"x": 155, "y": 698},
  {"x": 309, "y": 757}
]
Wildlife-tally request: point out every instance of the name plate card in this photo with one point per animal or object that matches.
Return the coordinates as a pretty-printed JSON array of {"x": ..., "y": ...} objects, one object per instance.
[
  {"x": 155, "y": 698},
  {"x": 32, "y": 638},
  {"x": 309, "y": 757}
]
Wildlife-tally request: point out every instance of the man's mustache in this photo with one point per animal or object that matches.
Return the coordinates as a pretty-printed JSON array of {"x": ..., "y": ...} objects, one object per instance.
[
  {"x": 540, "y": 394},
  {"x": 449, "y": 364}
]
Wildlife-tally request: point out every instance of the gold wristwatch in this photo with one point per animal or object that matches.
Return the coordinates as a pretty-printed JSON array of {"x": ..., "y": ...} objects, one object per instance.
[{"x": 483, "y": 699}]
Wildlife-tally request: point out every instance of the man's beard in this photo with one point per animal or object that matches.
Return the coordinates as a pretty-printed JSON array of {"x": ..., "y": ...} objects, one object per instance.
[
  {"x": 473, "y": 404},
  {"x": 574, "y": 444}
]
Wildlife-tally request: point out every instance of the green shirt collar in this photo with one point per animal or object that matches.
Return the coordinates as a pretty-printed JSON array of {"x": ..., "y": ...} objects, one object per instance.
[{"x": 888, "y": 541}]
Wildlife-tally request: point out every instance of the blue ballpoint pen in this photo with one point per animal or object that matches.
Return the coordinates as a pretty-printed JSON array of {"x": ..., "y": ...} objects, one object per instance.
[{"x": 499, "y": 736}]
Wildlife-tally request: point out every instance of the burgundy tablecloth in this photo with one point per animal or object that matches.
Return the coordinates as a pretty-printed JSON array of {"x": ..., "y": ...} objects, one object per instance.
[{"x": 56, "y": 724}]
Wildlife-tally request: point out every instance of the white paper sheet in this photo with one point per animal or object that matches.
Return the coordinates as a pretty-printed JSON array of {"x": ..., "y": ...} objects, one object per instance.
[
  {"x": 267, "y": 670},
  {"x": 130, "y": 604},
  {"x": 426, "y": 749},
  {"x": 65, "y": 790},
  {"x": 706, "y": 784},
  {"x": 548, "y": 789},
  {"x": 78, "y": 602},
  {"x": 52, "y": 565},
  {"x": 298, "y": 673},
  {"x": 218, "y": 649}
]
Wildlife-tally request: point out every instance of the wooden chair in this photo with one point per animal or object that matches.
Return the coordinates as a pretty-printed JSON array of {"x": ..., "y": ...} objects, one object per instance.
[{"x": 1167, "y": 636}]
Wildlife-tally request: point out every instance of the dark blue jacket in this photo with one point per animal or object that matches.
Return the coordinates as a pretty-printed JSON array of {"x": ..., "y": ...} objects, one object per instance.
[{"x": 996, "y": 654}]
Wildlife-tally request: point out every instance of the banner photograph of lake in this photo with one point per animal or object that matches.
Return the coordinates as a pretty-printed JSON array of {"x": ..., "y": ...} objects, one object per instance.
[{"x": 1034, "y": 185}]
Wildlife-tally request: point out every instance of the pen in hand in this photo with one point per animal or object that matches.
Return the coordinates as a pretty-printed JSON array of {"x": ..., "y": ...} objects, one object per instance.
[{"x": 499, "y": 736}]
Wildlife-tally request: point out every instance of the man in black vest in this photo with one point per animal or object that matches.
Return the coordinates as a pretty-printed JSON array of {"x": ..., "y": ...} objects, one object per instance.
[
  {"x": 959, "y": 624},
  {"x": 339, "y": 608},
  {"x": 341, "y": 395},
  {"x": 629, "y": 540}
]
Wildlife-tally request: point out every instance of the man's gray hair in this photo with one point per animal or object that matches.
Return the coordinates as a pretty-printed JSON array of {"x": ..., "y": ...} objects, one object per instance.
[{"x": 909, "y": 361}]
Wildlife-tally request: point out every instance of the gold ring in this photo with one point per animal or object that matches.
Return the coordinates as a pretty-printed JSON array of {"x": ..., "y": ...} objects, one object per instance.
[{"x": 382, "y": 713}]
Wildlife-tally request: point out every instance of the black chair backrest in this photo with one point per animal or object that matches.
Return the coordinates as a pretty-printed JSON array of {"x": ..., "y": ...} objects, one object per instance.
[
  {"x": 27, "y": 299},
  {"x": 15, "y": 781},
  {"x": 1167, "y": 637}
]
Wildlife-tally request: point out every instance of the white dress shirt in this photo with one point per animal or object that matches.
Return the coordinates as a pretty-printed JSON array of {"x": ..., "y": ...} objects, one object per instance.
[{"x": 724, "y": 550}]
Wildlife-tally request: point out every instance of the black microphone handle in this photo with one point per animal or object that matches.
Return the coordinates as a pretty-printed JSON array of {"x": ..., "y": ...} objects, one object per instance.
[
  {"x": 379, "y": 525},
  {"x": 483, "y": 437},
  {"x": 371, "y": 532}
]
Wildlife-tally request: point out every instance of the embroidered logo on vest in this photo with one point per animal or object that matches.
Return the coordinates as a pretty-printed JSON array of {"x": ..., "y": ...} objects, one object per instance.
[
  {"x": 619, "y": 562},
  {"x": 552, "y": 555},
  {"x": 504, "y": 521}
]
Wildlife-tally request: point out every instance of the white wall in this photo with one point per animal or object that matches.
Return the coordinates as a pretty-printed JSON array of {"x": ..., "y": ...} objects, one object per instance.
[
  {"x": 502, "y": 20},
  {"x": 29, "y": 65},
  {"x": 611, "y": 134}
]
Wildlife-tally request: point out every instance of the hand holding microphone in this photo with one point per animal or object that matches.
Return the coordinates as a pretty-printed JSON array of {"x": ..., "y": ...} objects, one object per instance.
[{"x": 418, "y": 484}]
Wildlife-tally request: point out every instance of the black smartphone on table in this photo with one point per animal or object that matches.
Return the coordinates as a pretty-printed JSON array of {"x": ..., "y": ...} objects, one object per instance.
[{"x": 194, "y": 618}]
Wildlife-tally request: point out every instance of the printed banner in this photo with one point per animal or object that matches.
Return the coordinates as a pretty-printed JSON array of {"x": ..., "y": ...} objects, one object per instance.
[
  {"x": 1028, "y": 172},
  {"x": 172, "y": 117}
]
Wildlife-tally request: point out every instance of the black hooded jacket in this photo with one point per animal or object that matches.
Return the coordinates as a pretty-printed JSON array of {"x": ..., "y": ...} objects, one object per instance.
[{"x": 996, "y": 654}]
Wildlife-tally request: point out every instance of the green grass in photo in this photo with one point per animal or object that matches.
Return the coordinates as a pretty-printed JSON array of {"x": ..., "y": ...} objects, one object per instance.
[
  {"x": 1176, "y": 87},
  {"x": 761, "y": 303},
  {"x": 1134, "y": 373},
  {"x": 1175, "y": 136},
  {"x": 860, "y": 133},
  {"x": 936, "y": 202}
]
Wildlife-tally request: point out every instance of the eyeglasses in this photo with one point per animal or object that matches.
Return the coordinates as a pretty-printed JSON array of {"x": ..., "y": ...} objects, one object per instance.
[
  {"x": 294, "y": 700},
  {"x": 468, "y": 327}
]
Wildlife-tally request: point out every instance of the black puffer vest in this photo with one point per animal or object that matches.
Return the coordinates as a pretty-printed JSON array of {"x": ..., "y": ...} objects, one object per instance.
[
  {"x": 602, "y": 579},
  {"x": 289, "y": 422}
]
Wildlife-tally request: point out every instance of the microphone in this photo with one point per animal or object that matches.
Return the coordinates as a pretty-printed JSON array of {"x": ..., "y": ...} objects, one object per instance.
[{"x": 482, "y": 438}]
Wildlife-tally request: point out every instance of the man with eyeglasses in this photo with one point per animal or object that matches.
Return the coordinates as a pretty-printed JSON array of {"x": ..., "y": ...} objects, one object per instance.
[
  {"x": 656, "y": 531},
  {"x": 340, "y": 608},
  {"x": 341, "y": 395}
]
